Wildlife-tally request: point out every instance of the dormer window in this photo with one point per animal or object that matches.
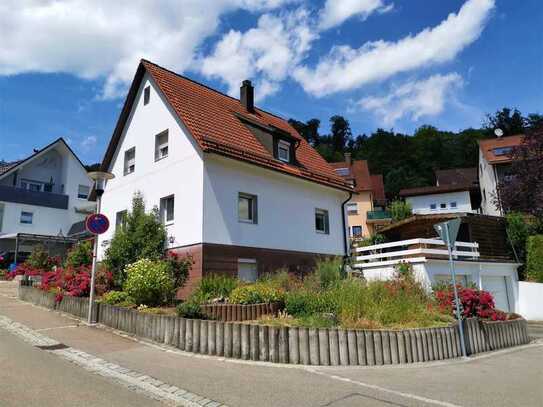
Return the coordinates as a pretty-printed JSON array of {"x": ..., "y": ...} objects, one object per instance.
[
  {"x": 283, "y": 151},
  {"x": 343, "y": 172}
]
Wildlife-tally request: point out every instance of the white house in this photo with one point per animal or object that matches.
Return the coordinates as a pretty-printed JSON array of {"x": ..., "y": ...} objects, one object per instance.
[
  {"x": 238, "y": 188},
  {"x": 44, "y": 194},
  {"x": 494, "y": 164}
]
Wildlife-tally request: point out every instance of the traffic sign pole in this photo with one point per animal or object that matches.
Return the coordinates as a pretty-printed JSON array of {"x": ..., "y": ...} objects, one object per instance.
[{"x": 94, "y": 257}]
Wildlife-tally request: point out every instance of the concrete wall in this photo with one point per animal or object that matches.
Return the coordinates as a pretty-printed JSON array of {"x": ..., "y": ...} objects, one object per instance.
[
  {"x": 180, "y": 174},
  {"x": 286, "y": 209},
  {"x": 487, "y": 182},
  {"x": 421, "y": 204},
  {"x": 531, "y": 300}
]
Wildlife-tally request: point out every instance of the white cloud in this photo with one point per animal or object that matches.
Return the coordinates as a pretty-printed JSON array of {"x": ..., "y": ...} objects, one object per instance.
[
  {"x": 106, "y": 39},
  {"x": 413, "y": 99},
  {"x": 345, "y": 68},
  {"x": 335, "y": 12},
  {"x": 267, "y": 52},
  {"x": 88, "y": 143}
]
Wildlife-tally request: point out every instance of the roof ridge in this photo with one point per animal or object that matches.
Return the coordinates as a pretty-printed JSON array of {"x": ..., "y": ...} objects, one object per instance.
[{"x": 207, "y": 87}]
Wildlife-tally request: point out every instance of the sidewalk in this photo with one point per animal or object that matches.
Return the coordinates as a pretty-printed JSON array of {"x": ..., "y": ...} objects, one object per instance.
[{"x": 238, "y": 383}]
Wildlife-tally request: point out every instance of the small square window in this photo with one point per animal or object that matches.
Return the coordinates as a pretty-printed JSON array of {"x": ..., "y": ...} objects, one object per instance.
[
  {"x": 322, "y": 224},
  {"x": 443, "y": 206},
  {"x": 357, "y": 231},
  {"x": 83, "y": 191},
  {"x": 247, "y": 270},
  {"x": 453, "y": 204},
  {"x": 167, "y": 209},
  {"x": 120, "y": 219},
  {"x": 352, "y": 208},
  {"x": 247, "y": 208},
  {"x": 161, "y": 145},
  {"x": 130, "y": 161},
  {"x": 283, "y": 151},
  {"x": 433, "y": 206},
  {"x": 146, "y": 95},
  {"x": 26, "y": 218}
]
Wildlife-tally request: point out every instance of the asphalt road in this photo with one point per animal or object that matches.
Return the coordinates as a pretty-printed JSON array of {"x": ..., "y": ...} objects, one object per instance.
[{"x": 33, "y": 377}]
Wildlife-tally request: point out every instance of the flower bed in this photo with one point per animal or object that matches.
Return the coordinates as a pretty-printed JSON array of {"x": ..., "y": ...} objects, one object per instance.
[{"x": 297, "y": 345}]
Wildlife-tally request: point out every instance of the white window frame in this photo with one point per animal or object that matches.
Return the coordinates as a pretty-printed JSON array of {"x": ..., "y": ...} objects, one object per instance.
[
  {"x": 453, "y": 205},
  {"x": 351, "y": 211},
  {"x": 283, "y": 145},
  {"x": 356, "y": 235},
  {"x": 159, "y": 147},
  {"x": 343, "y": 171},
  {"x": 120, "y": 218},
  {"x": 83, "y": 196},
  {"x": 27, "y": 183},
  {"x": 324, "y": 212},
  {"x": 442, "y": 206},
  {"x": 129, "y": 162},
  {"x": 253, "y": 208},
  {"x": 26, "y": 213},
  {"x": 164, "y": 210}
]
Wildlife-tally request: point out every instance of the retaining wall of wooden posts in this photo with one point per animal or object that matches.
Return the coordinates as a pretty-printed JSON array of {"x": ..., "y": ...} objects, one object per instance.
[
  {"x": 238, "y": 312},
  {"x": 298, "y": 345}
]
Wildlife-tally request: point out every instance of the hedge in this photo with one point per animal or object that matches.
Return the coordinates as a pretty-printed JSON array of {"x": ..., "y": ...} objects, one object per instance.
[{"x": 534, "y": 258}]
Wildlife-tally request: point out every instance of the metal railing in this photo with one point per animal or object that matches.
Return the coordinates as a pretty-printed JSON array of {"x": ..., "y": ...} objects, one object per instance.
[
  {"x": 24, "y": 196},
  {"x": 378, "y": 215}
]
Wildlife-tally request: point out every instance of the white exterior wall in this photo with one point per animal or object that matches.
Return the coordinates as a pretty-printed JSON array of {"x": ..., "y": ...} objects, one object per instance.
[
  {"x": 488, "y": 185},
  {"x": 426, "y": 271},
  {"x": 286, "y": 209},
  {"x": 531, "y": 300},
  {"x": 67, "y": 174},
  {"x": 180, "y": 174},
  {"x": 421, "y": 204}
]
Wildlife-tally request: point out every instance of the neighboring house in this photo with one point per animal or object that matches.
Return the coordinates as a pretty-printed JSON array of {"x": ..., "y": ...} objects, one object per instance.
[
  {"x": 237, "y": 187},
  {"x": 482, "y": 255},
  {"x": 494, "y": 166},
  {"x": 456, "y": 190},
  {"x": 366, "y": 207},
  {"x": 44, "y": 194}
]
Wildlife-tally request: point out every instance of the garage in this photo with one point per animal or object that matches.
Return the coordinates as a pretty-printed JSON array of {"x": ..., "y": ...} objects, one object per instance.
[{"x": 497, "y": 286}]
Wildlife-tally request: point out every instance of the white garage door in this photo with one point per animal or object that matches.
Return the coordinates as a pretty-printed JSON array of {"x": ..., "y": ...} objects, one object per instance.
[{"x": 497, "y": 286}]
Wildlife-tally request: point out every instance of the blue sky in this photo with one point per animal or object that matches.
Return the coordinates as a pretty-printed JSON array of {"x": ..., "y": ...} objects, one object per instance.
[{"x": 380, "y": 63}]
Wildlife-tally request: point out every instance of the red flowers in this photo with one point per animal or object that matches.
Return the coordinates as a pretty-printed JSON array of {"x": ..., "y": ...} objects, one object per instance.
[{"x": 475, "y": 303}]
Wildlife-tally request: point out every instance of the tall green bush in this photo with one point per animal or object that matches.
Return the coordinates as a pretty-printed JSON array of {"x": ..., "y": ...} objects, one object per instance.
[
  {"x": 328, "y": 271},
  {"x": 80, "y": 255},
  {"x": 400, "y": 210},
  {"x": 149, "y": 282},
  {"x": 142, "y": 236},
  {"x": 534, "y": 261}
]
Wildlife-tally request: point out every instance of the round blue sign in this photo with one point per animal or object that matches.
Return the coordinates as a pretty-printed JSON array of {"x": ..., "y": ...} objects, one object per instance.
[{"x": 97, "y": 223}]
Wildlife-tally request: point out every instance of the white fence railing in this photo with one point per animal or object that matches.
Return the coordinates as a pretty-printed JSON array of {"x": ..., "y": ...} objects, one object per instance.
[{"x": 411, "y": 251}]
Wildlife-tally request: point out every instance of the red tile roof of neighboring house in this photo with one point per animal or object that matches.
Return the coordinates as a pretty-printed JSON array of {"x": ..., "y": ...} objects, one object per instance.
[
  {"x": 213, "y": 119},
  {"x": 431, "y": 190},
  {"x": 378, "y": 188},
  {"x": 358, "y": 171},
  {"x": 489, "y": 145},
  {"x": 5, "y": 166},
  {"x": 457, "y": 176}
]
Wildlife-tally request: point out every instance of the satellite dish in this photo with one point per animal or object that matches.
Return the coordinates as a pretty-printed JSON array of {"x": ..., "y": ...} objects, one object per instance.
[{"x": 498, "y": 132}]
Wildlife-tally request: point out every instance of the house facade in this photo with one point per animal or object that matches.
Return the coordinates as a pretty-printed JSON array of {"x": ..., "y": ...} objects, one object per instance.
[
  {"x": 366, "y": 208},
  {"x": 237, "y": 188},
  {"x": 44, "y": 194},
  {"x": 494, "y": 165}
]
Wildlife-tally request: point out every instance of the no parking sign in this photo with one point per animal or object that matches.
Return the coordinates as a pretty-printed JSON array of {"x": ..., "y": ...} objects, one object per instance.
[{"x": 97, "y": 223}]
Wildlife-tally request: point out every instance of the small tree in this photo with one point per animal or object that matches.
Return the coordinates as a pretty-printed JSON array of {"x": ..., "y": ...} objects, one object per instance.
[
  {"x": 400, "y": 210},
  {"x": 534, "y": 263},
  {"x": 80, "y": 255},
  {"x": 142, "y": 235}
]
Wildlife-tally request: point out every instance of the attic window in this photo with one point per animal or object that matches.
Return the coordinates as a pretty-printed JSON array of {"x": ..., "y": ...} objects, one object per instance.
[
  {"x": 342, "y": 171},
  {"x": 161, "y": 145},
  {"x": 283, "y": 151},
  {"x": 130, "y": 161},
  {"x": 502, "y": 150},
  {"x": 146, "y": 95}
]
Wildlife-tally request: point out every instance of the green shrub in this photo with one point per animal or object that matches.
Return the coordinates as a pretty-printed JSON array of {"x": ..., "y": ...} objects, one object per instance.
[
  {"x": 534, "y": 261},
  {"x": 148, "y": 282},
  {"x": 214, "y": 286},
  {"x": 80, "y": 255},
  {"x": 178, "y": 267},
  {"x": 40, "y": 259},
  {"x": 142, "y": 236},
  {"x": 116, "y": 297},
  {"x": 400, "y": 210},
  {"x": 256, "y": 293},
  {"x": 372, "y": 240},
  {"x": 190, "y": 310},
  {"x": 328, "y": 271},
  {"x": 304, "y": 303}
]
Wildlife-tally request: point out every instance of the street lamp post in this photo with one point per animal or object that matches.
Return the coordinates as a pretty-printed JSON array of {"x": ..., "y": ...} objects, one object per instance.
[{"x": 99, "y": 178}]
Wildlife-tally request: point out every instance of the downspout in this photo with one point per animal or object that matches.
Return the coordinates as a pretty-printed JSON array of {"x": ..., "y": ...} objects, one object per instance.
[{"x": 345, "y": 236}]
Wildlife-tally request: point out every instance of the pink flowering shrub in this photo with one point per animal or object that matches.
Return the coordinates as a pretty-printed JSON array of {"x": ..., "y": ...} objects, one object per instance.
[{"x": 475, "y": 303}]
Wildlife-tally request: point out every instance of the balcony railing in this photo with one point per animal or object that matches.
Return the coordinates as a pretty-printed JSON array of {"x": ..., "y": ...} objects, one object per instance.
[
  {"x": 412, "y": 251},
  {"x": 378, "y": 215},
  {"x": 24, "y": 196}
]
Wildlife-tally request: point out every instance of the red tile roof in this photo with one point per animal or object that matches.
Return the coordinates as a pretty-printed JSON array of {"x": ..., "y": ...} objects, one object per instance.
[
  {"x": 487, "y": 147},
  {"x": 431, "y": 190},
  {"x": 359, "y": 172},
  {"x": 213, "y": 120},
  {"x": 457, "y": 176},
  {"x": 378, "y": 188}
]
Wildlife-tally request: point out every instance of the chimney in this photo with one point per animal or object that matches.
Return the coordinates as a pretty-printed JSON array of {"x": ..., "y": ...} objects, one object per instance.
[
  {"x": 348, "y": 159},
  {"x": 247, "y": 96}
]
